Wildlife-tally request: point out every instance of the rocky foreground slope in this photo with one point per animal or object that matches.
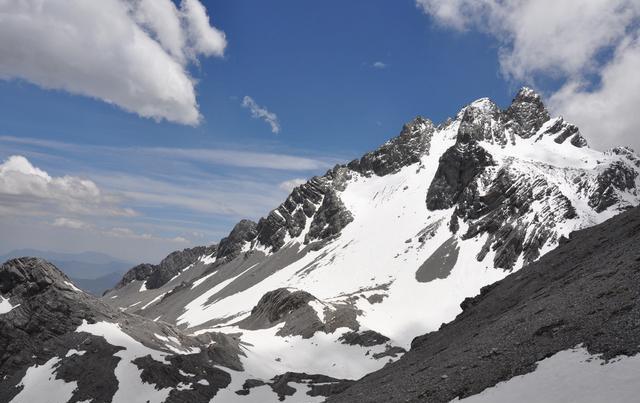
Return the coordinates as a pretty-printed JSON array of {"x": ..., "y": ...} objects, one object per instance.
[{"x": 582, "y": 296}]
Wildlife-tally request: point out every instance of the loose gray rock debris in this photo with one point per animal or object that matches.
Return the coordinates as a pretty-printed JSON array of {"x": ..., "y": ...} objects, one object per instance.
[{"x": 158, "y": 275}]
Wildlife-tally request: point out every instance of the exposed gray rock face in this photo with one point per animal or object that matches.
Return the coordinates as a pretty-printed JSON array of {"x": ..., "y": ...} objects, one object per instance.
[
  {"x": 502, "y": 202},
  {"x": 316, "y": 200},
  {"x": 483, "y": 121},
  {"x": 332, "y": 216},
  {"x": 229, "y": 248},
  {"x": 501, "y": 210},
  {"x": 628, "y": 153},
  {"x": 158, "y": 275},
  {"x": 292, "y": 308},
  {"x": 584, "y": 292},
  {"x": 526, "y": 114},
  {"x": 292, "y": 215},
  {"x": 183, "y": 371},
  {"x": 367, "y": 338},
  {"x": 561, "y": 131},
  {"x": 43, "y": 325},
  {"x": 276, "y": 304},
  {"x": 454, "y": 181},
  {"x": 282, "y": 305},
  {"x": 140, "y": 272},
  {"x": 34, "y": 331},
  {"x": 413, "y": 142},
  {"x": 617, "y": 176},
  {"x": 321, "y": 385}
]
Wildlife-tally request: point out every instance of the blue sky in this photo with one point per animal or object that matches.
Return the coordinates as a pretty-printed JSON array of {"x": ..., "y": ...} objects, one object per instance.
[{"x": 339, "y": 78}]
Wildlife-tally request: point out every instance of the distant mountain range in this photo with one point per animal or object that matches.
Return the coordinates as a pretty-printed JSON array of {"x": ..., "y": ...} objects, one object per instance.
[{"x": 93, "y": 272}]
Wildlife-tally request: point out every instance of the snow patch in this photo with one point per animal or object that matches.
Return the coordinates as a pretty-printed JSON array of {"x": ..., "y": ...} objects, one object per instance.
[
  {"x": 153, "y": 301},
  {"x": 74, "y": 352},
  {"x": 72, "y": 286},
  {"x": 40, "y": 385},
  {"x": 131, "y": 388},
  {"x": 5, "y": 306},
  {"x": 569, "y": 376}
]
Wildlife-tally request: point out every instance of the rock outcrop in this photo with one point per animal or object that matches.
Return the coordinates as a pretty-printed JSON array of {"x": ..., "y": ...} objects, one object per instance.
[
  {"x": 403, "y": 150},
  {"x": 526, "y": 114},
  {"x": 293, "y": 308},
  {"x": 158, "y": 275},
  {"x": 455, "y": 179}
]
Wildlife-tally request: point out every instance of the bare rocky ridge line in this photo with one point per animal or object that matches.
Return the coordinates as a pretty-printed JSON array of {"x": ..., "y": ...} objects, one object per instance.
[{"x": 156, "y": 276}]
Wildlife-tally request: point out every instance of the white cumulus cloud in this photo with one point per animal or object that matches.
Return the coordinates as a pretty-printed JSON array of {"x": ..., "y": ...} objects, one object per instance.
[
  {"x": 260, "y": 112},
  {"x": 130, "y": 53},
  {"x": 568, "y": 41},
  {"x": 28, "y": 190}
]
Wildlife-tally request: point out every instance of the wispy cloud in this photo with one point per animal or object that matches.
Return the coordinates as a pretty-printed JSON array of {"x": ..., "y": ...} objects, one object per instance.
[
  {"x": 379, "y": 65},
  {"x": 70, "y": 223},
  {"x": 127, "y": 233},
  {"x": 259, "y": 112},
  {"x": 131, "y": 53},
  {"x": 214, "y": 156}
]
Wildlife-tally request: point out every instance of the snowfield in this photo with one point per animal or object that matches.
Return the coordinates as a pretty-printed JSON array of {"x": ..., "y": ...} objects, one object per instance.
[{"x": 570, "y": 376}]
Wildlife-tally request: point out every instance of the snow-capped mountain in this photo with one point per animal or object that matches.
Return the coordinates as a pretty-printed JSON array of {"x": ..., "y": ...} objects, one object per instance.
[{"x": 337, "y": 280}]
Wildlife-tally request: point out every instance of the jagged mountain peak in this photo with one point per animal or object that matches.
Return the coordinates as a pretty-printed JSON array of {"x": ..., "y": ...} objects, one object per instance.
[
  {"x": 527, "y": 94},
  {"x": 526, "y": 117},
  {"x": 416, "y": 125},
  {"x": 527, "y": 113}
]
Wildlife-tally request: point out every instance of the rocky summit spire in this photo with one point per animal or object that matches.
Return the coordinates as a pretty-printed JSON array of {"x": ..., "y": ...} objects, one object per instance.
[{"x": 527, "y": 113}]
